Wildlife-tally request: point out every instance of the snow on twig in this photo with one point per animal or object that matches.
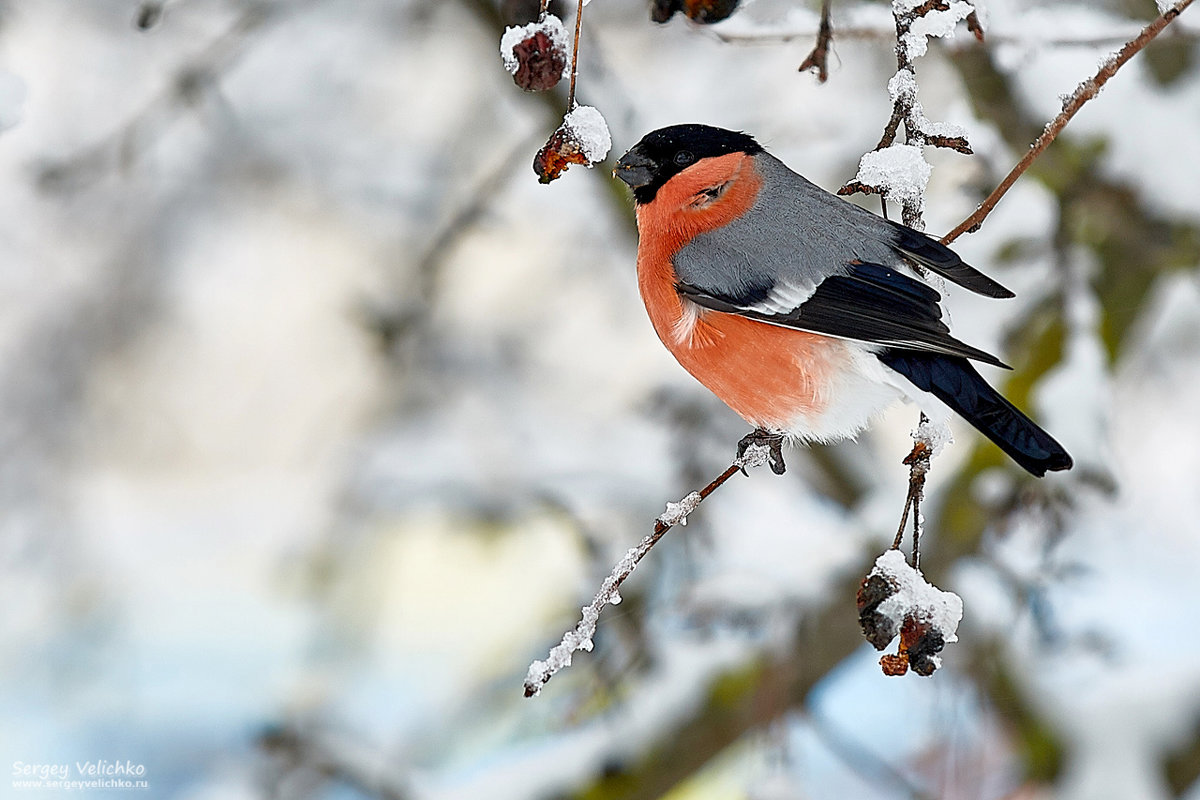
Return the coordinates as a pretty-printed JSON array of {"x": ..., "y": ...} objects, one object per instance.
[
  {"x": 1086, "y": 90},
  {"x": 900, "y": 172},
  {"x": 580, "y": 637},
  {"x": 934, "y": 436},
  {"x": 677, "y": 513},
  {"x": 588, "y": 127}
]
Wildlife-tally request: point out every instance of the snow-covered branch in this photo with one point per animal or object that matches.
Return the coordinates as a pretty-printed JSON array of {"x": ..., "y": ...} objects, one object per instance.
[
  {"x": 580, "y": 637},
  {"x": 1084, "y": 92},
  {"x": 900, "y": 172}
]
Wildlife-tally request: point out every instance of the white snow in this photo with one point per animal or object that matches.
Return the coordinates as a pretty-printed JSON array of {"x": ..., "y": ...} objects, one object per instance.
[
  {"x": 589, "y": 130},
  {"x": 933, "y": 434},
  {"x": 1087, "y": 88},
  {"x": 903, "y": 86},
  {"x": 513, "y": 35},
  {"x": 677, "y": 513},
  {"x": 916, "y": 597},
  {"x": 756, "y": 455},
  {"x": 901, "y": 171},
  {"x": 580, "y": 637},
  {"x": 937, "y": 24}
]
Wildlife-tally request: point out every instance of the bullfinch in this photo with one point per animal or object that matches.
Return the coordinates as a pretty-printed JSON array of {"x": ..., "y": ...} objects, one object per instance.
[{"x": 803, "y": 312}]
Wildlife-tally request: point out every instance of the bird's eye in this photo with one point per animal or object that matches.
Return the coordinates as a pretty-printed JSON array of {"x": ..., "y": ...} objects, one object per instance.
[{"x": 684, "y": 157}]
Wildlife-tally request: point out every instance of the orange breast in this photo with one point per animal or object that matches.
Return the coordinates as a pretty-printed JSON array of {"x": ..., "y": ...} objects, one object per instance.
[{"x": 769, "y": 375}]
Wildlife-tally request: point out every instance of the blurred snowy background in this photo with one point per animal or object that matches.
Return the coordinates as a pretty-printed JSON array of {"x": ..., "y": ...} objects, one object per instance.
[{"x": 320, "y": 418}]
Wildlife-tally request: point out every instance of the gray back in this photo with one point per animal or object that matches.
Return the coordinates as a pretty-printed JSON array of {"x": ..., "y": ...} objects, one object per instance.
[{"x": 795, "y": 235}]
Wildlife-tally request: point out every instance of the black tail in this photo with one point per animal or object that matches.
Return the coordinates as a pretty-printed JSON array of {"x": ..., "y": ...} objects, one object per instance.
[{"x": 955, "y": 382}]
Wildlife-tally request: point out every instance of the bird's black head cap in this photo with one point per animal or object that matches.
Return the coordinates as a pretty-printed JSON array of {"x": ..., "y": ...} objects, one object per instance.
[{"x": 666, "y": 152}]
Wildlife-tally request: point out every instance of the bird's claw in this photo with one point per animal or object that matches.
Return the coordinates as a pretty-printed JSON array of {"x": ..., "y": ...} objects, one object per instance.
[{"x": 764, "y": 438}]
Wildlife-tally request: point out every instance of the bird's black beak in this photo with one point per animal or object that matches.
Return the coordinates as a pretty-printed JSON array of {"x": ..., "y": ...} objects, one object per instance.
[{"x": 635, "y": 169}]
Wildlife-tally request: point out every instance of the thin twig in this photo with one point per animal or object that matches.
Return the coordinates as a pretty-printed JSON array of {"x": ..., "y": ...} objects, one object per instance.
[
  {"x": 907, "y": 109},
  {"x": 975, "y": 26},
  {"x": 575, "y": 58},
  {"x": 891, "y": 129},
  {"x": 1083, "y": 93},
  {"x": 580, "y": 637},
  {"x": 887, "y": 34},
  {"x": 918, "y": 462},
  {"x": 916, "y": 489},
  {"x": 903, "y": 520},
  {"x": 818, "y": 59}
]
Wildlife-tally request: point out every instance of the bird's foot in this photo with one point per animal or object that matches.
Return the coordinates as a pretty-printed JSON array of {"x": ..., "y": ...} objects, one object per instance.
[{"x": 764, "y": 438}]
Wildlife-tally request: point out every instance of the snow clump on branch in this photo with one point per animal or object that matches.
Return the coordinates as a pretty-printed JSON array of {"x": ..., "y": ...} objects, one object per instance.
[
  {"x": 900, "y": 172},
  {"x": 894, "y": 599}
]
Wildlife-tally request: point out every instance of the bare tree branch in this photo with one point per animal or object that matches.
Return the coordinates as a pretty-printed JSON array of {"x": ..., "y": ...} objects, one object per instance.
[
  {"x": 575, "y": 57},
  {"x": 818, "y": 58},
  {"x": 751, "y": 454},
  {"x": 886, "y": 34},
  {"x": 906, "y": 108},
  {"x": 1083, "y": 93}
]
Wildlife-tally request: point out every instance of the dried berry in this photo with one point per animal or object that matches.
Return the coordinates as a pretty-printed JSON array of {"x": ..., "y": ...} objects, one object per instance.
[
  {"x": 895, "y": 598},
  {"x": 663, "y": 10},
  {"x": 541, "y": 65},
  {"x": 536, "y": 54},
  {"x": 558, "y": 153},
  {"x": 583, "y": 138},
  {"x": 702, "y": 11},
  {"x": 894, "y": 665},
  {"x": 878, "y": 629},
  {"x": 921, "y": 641}
]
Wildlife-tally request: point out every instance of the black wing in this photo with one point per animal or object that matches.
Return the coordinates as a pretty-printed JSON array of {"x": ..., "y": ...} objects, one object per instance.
[
  {"x": 934, "y": 255},
  {"x": 870, "y": 303},
  {"x": 956, "y": 383}
]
